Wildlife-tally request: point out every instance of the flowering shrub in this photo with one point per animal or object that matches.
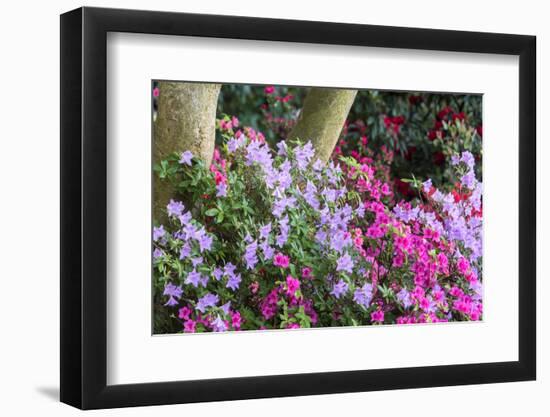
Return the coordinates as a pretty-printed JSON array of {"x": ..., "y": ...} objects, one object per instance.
[
  {"x": 403, "y": 133},
  {"x": 270, "y": 238}
]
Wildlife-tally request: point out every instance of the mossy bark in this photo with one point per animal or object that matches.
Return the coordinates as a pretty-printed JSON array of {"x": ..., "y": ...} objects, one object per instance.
[
  {"x": 185, "y": 121},
  {"x": 322, "y": 119}
]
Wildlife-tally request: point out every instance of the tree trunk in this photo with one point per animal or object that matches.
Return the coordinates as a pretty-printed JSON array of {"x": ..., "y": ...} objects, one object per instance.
[
  {"x": 186, "y": 121},
  {"x": 322, "y": 119}
]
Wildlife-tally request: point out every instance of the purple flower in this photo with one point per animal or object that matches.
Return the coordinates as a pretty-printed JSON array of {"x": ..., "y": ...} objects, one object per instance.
[
  {"x": 157, "y": 253},
  {"x": 221, "y": 190},
  {"x": 303, "y": 155},
  {"x": 218, "y": 325},
  {"x": 310, "y": 195},
  {"x": 225, "y": 308},
  {"x": 234, "y": 281},
  {"x": 229, "y": 269},
  {"x": 267, "y": 250},
  {"x": 404, "y": 297},
  {"x": 330, "y": 195},
  {"x": 218, "y": 273},
  {"x": 318, "y": 165},
  {"x": 185, "y": 251},
  {"x": 284, "y": 229},
  {"x": 339, "y": 289},
  {"x": 280, "y": 205},
  {"x": 235, "y": 143},
  {"x": 265, "y": 230},
  {"x": 469, "y": 180},
  {"x": 196, "y": 261},
  {"x": 209, "y": 300},
  {"x": 186, "y": 158},
  {"x": 250, "y": 255},
  {"x": 193, "y": 278},
  {"x": 427, "y": 185},
  {"x": 175, "y": 208},
  {"x": 158, "y": 232},
  {"x": 468, "y": 159},
  {"x": 345, "y": 263},
  {"x": 363, "y": 295},
  {"x": 340, "y": 240},
  {"x": 205, "y": 242},
  {"x": 185, "y": 218},
  {"x": 173, "y": 292},
  {"x": 260, "y": 154},
  {"x": 189, "y": 231},
  {"x": 281, "y": 148}
]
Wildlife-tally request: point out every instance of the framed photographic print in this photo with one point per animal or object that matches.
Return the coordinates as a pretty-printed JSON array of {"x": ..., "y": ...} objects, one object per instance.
[{"x": 256, "y": 208}]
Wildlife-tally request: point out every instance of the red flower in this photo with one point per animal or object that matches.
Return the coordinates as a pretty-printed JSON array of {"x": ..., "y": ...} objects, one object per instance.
[
  {"x": 415, "y": 99},
  {"x": 438, "y": 158},
  {"x": 459, "y": 116},
  {"x": 269, "y": 89},
  {"x": 444, "y": 112},
  {"x": 410, "y": 152},
  {"x": 479, "y": 130}
]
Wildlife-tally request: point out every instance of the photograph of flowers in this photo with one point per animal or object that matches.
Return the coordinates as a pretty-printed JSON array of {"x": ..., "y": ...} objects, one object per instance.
[{"x": 284, "y": 207}]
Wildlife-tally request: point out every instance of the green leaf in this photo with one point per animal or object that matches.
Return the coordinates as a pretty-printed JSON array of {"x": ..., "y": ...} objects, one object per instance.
[{"x": 211, "y": 212}]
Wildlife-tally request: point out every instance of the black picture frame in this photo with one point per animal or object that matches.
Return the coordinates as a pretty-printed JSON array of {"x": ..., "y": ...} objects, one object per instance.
[{"x": 84, "y": 207}]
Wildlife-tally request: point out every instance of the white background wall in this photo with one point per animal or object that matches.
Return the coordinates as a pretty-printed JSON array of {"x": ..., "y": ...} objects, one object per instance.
[{"x": 29, "y": 207}]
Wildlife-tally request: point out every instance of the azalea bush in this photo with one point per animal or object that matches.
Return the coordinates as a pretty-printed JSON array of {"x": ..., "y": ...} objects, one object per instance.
[
  {"x": 268, "y": 237},
  {"x": 414, "y": 132}
]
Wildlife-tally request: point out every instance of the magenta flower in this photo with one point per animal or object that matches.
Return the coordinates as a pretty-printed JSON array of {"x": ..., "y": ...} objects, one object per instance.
[
  {"x": 189, "y": 326},
  {"x": 236, "y": 320},
  {"x": 377, "y": 316},
  {"x": 281, "y": 260},
  {"x": 292, "y": 285},
  {"x": 184, "y": 313}
]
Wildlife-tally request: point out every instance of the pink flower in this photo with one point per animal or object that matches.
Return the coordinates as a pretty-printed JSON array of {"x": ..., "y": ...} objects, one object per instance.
[
  {"x": 235, "y": 121},
  {"x": 281, "y": 260},
  {"x": 293, "y": 326},
  {"x": 184, "y": 313},
  {"x": 306, "y": 272},
  {"x": 269, "y": 89},
  {"x": 377, "y": 316},
  {"x": 463, "y": 265},
  {"x": 156, "y": 92},
  {"x": 292, "y": 285},
  {"x": 189, "y": 326},
  {"x": 236, "y": 320},
  {"x": 254, "y": 287}
]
